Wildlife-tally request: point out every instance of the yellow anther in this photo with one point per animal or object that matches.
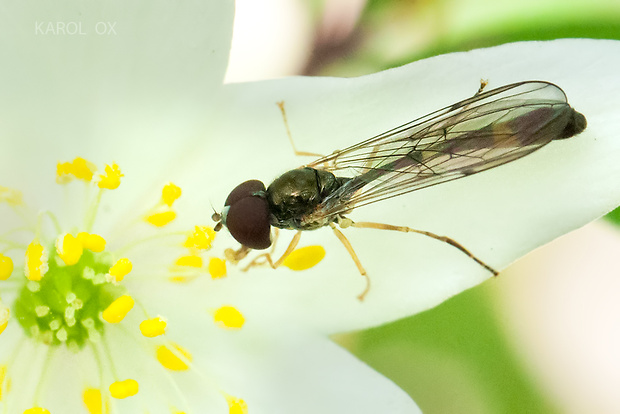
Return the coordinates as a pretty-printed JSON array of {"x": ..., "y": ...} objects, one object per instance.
[
  {"x": 6, "y": 267},
  {"x": 124, "y": 389},
  {"x": 93, "y": 242},
  {"x": 36, "y": 410},
  {"x": 118, "y": 309},
  {"x": 4, "y": 320},
  {"x": 3, "y": 369},
  {"x": 228, "y": 317},
  {"x": 35, "y": 265},
  {"x": 170, "y": 360},
  {"x": 10, "y": 196},
  {"x": 201, "y": 238},
  {"x": 181, "y": 279},
  {"x": 189, "y": 261},
  {"x": 161, "y": 219},
  {"x": 112, "y": 179},
  {"x": 82, "y": 169},
  {"x": 153, "y": 327},
  {"x": 217, "y": 268},
  {"x": 170, "y": 194},
  {"x": 63, "y": 172},
  {"x": 79, "y": 168},
  {"x": 120, "y": 269},
  {"x": 304, "y": 258},
  {"x": 69, "y": 249},
  {"x": 236, "y": 405},
  {"x": 93, "y": 400}
]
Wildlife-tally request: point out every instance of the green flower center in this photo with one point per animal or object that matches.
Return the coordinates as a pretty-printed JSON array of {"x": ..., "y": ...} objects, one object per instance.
[{"x": 64, "y": 307}]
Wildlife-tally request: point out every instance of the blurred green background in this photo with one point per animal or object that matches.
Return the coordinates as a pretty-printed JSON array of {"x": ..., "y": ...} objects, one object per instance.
[{"x": 543, "y": 336}]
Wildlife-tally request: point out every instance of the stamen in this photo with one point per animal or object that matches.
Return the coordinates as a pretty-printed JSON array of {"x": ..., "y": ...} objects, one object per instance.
[
  {"x": 217, "y": 268},
  {"x": 36, "y": 261},
  {"x": 161, "y": 219},
  {"x": 118, "y": 309},
  {"x": 93, "y": 242},
  {"x": 3, "y": 370},
  {"x": 304, "y": 258},
  {"x": 5, "y": 313},
  {"x": 120, "y": 269},
  {"x": 236, "y": 405},
  {"x": 36, "y": 410},
  {"x": 10, "y": 196},
  {"x": 228, "y": 317},
  {"x": 153, "y": 327},
  {"x": 69, "y": 249},
  {"x": 170, "y": 360},
  {"x": 112, "y": 179},
  {"x": 181, "y": 279},
  {"x": 170, "y": 194},
  {"x": 6, "y": 267},
  {"x": 93, "y": 401},
  {"x": 189, "y": 261},
  {"x": 63, "y": 172},
  {"x": 82, "y": 169},
  {"x": 124, "y": 389},
  {"x": 79, "y": 168},
  {"x": 201, "y": 238}
]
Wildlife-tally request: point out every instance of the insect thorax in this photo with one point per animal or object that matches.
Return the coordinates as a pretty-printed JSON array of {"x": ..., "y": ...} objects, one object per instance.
[{"x": 295, "y": 195}]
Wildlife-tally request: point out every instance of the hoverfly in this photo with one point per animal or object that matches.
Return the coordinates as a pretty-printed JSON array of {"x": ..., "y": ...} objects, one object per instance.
[{"x": 482, "y": 132}]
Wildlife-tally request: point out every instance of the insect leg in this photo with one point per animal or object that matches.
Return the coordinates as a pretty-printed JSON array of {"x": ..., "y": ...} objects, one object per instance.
[
  {"x": 234, "y": 256},
  {"x": 452, "y": 242},
  {"x": 267, "y": 256},
  {"x": 483, "y": 84},
  {"x": 349, "y": 248},
  {"x": 464, "y": 109},
  {"x": 290, "y": 136}
]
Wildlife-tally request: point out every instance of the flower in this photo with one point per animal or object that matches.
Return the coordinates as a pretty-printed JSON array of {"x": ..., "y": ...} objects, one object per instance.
[
  {"x": 257, "y": 341},
  {"x": 73, "y": 296}
]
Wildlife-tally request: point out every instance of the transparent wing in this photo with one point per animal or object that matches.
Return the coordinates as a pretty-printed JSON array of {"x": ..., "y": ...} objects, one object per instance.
[{"x": 482, "y": 132}]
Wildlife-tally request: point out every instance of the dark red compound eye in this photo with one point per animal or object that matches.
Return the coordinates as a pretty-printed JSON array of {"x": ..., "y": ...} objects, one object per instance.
[
  {"x": 247, "y": 217},
  {"x": 246, "y": 189}
]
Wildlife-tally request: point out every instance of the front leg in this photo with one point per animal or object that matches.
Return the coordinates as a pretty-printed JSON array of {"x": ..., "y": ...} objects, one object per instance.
[{"x": 269, "y": 260}]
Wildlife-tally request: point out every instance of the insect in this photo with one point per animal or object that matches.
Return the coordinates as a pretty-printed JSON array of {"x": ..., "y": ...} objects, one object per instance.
[{"x": 484, "y": 131}]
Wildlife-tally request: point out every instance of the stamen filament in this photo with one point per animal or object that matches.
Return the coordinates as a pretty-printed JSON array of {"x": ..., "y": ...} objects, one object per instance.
[
  {"x": 13, "y": 246},
  {"x": 108, "y": 353},
  {"x": 49, "y": 353},
  {"x": 53, "y": 219},
  {"x": 99, "y": 365},
  {"x": 129, "y": 246},
  {"x": 3, "y": 236},
  {"x": 25, "y": 214},
  {"x": 167, "y": 373},
  {"x": 92, "y": 212}
]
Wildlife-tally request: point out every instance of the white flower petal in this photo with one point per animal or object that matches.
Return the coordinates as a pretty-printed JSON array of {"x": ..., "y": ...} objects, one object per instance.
[
  {"x": 138, "y": 53},
  {"x": 274, "y": 363},
  {"x": 499, "y": 215},
  {"x": 301, "y": 373},
  {"x": 282, "y": 369},
  {"x": 134, "y": 96}
]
